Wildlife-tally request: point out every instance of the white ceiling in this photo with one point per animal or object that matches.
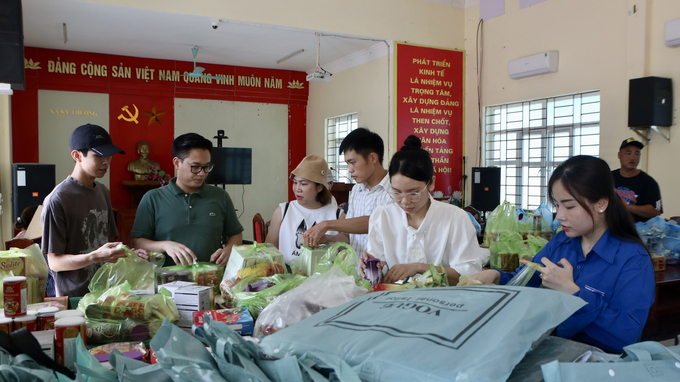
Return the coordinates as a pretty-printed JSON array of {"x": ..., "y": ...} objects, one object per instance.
[{"x": 125, "y": 31}]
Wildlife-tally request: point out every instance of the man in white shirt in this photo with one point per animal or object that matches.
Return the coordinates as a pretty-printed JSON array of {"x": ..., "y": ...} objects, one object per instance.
[{"x": 364, "y": 152}]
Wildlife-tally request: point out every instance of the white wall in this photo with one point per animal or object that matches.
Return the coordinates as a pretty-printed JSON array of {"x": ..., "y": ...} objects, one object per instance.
[
  {"x": 364, "y": 89},
  {"x": 260, "y": 126},
  {"x": 55, "y": 127},
  {"x": 599, "y": 47}
]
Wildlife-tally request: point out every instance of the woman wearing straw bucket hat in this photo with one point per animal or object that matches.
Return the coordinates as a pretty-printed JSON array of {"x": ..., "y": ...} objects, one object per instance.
[{"x": 312, "y": 205}]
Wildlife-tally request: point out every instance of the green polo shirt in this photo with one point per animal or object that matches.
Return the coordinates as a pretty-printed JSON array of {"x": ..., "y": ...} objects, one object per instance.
[{"x": 196, "y": 220}]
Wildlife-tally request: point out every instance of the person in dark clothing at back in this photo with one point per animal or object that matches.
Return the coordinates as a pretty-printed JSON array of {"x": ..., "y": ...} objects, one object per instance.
[{"x": 637, "y": 189}]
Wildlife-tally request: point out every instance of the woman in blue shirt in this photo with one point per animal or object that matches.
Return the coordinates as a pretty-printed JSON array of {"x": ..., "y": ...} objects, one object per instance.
[{"x": 598, "y": 257}]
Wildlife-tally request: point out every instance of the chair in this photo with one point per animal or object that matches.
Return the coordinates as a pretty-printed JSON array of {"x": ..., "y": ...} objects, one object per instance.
[
  {"x": 260, "y": 228},
  {"x": 18, "y": 243}
]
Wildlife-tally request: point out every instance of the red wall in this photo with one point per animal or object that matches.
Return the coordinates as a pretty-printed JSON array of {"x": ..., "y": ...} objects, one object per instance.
[{"x": 75, "y": 71}]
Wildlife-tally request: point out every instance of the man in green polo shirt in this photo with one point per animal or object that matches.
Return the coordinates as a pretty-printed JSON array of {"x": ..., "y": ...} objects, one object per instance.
[{"x": 186, "y": 218}]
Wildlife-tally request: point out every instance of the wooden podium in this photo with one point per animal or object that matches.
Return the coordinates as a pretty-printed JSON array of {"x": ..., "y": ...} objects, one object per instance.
[
  {"x": 125, "y": 219},
  {"x": 341, "y": 191},
  {"x": 137, "y": 189}
]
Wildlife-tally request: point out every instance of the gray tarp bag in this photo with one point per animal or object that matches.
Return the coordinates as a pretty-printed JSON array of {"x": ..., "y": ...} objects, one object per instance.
[
  {"x": 644, "y": 361},
  {"x": 241, "y": 360},
  {"x": 440, "y": 334}
]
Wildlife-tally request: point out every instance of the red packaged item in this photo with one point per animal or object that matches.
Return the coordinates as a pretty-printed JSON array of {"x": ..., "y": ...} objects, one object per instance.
[
  {"x": 16, "y": 296},
  {"x": 238, "y": 319}
]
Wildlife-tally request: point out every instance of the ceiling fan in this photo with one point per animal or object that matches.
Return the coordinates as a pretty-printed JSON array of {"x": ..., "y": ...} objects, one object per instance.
[{"x": 198, "y": 70}]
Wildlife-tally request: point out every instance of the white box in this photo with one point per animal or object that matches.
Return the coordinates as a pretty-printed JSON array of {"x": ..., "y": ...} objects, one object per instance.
[
  {"x": 193, "y": 298},
  {"x": 46, "y": 340},
  {"x": 173, "y": 286},
  {"x": 244, "y": 256}
]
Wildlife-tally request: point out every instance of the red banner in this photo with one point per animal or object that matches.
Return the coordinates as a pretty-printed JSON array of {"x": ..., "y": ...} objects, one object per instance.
[
  {"x": 429, "y": 104},
  {"x": 141, "y": 101}
]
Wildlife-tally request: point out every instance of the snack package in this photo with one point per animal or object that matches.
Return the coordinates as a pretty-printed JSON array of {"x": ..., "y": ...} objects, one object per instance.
[
  {"x": 119, "y": 303},
  {"x": 29, "y": 262},
  {"x": 238, "y": 319},
  {"x": 202, "y": 273},
  {"x": 112, "y": 331}
]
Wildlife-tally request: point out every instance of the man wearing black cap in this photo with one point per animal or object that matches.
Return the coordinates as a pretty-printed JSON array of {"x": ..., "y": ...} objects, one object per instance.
[
  {"x": 77, "y": 217},
  {"x": 638, "y": 190}
]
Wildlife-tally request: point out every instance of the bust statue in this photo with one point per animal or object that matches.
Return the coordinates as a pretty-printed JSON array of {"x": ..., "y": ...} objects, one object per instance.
[{"x": 142, "y": 167}]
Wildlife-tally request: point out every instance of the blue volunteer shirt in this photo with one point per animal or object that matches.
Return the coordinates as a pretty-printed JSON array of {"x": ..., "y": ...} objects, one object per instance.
[{"x": 616, "y": 280}]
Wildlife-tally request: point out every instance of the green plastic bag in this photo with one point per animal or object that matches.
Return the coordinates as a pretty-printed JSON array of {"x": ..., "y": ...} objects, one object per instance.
[
  {"x": 132, "y": 269},
  {"x": 33, "y": 266},
  {"x": 502, "y": 219},
  {"x": 342, "y": 255},
  {"x": 257, "y": 301},
  {"x": 504, "y": 253}
]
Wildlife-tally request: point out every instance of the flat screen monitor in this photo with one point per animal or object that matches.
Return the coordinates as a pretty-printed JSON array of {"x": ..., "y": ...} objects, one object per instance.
[{"x": 233, "y": 165}]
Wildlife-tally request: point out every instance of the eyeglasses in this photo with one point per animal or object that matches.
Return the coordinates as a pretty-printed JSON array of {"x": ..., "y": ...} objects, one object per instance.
[
  {"x": 413, "y": 197},
  {"x": 197, "y": 169}
]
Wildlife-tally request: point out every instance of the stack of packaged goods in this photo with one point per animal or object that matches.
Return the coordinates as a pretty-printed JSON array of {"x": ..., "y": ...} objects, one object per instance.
[
  {"x": 122, "y": 304},
  {"x": 189, "y": 298},
  {"x": 200, "y": 273},
  {"x": 28, "y": 263},
  {"x": 254, "y": 276}
]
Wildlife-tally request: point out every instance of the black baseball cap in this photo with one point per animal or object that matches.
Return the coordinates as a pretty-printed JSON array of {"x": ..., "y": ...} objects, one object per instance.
[
  {"x": 631, "y": 142},
  {"x": 95, "y": 138}
]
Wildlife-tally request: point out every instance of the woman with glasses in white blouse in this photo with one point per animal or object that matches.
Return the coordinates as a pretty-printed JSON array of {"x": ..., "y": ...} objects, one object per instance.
[{"x": 417, "y": 230}]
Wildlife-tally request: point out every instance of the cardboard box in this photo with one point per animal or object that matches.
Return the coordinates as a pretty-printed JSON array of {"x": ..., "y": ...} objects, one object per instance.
[
  {"x": 238, "y": 319},
  {"x": 244, "y": 256},
  {"x": 659, "y": 263},
  {"x": 193, "y": 298}
]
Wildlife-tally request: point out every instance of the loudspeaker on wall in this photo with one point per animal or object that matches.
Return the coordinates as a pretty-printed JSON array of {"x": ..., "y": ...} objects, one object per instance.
[
  {"x": 486, "y": 188},
  {"x": 650, "y": 102}
]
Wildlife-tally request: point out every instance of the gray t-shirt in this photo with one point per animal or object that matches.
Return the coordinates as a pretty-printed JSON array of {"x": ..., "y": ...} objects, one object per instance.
[{"x": 76, "y": 220}]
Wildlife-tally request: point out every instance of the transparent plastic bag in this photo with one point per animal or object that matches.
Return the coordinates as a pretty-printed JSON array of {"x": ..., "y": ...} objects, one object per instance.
[
  {"x": 524, "y": 275},
  {"x": 502, "y": 219},
  {"x": 316, "y": 293}
]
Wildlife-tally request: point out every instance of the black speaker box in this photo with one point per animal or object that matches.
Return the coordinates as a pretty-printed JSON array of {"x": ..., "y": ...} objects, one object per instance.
[
  {"x": 11, "y": 44},
  {"x": 650, "y": 102},
  {"x": 31, "y": 183},
  {"x": 486, "y": 188}
]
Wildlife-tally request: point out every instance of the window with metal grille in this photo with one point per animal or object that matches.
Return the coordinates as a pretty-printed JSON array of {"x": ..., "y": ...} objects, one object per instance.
[
  {"x": 529, "y": 139},
  {"x": 337, "y": 129}
]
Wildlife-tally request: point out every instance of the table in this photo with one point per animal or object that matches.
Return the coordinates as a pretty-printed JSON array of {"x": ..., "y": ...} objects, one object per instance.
[{"x": 664, "y": 316}]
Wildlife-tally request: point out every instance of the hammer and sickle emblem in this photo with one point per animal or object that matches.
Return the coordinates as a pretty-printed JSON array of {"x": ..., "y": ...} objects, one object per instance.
[{"x": 131, "y": 117}]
